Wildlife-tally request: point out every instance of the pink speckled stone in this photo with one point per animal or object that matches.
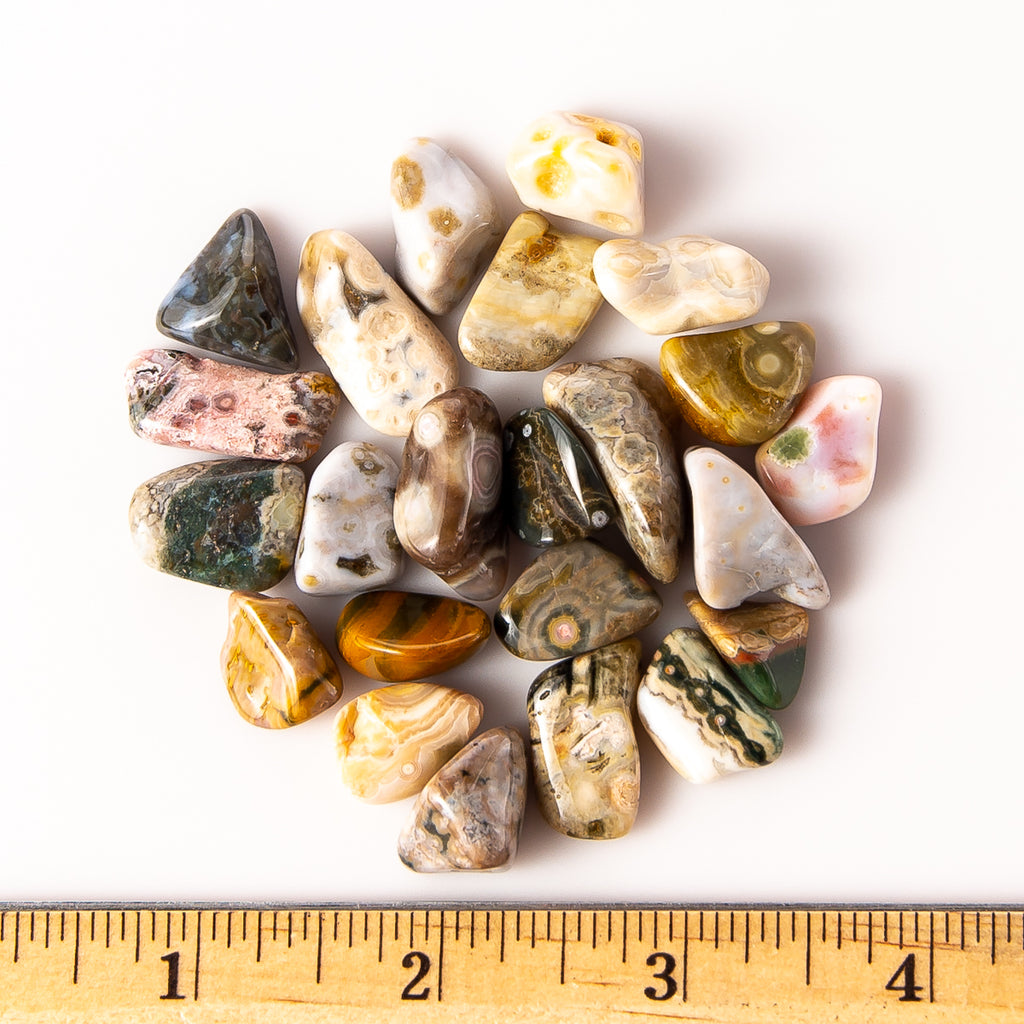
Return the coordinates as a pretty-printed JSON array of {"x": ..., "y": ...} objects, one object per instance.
[
  {"x": 822, "y": 465},
  {"x": 179, "y": 400}
]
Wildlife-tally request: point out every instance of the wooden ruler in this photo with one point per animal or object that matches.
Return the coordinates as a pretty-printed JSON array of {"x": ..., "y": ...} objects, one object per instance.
[{"x": 86, "y": 963}]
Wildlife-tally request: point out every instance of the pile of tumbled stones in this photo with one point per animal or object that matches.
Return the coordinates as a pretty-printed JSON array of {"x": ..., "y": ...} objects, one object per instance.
[{"x": 601, "y": 449}]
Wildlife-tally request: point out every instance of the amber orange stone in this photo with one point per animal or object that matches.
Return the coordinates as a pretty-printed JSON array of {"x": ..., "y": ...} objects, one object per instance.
[{"x": 396, "y": 636}]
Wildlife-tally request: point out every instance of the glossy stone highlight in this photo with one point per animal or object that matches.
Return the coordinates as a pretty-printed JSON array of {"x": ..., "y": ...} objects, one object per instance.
[
  {"x": 178, "y": 400},
  {"x": 740, "y": 386},
  {"x": 571, "y": 599},
  {"x": 229, "y": 523},
  {"x": 390, "y": 741},
  {"x": 397, "y": 636},
  {"x": 584, "y": 753},
  {"x": 229, "y": 300},
  {"x": 699, "y": 717},
  {"x": 469, "y": 815},
  {"x": 277, "y": 671}
]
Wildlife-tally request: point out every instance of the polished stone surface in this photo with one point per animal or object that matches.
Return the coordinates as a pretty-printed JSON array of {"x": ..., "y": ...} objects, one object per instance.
[
  {"x": 553, "y": 492},
  {"x": 277, "y": 671},
  {"x": 348, "y": 540},
  {"x": 740, "y": 386},
  {"x": 446, "y": 224},
  {"x": 381, "y": 348},
  {"x": 469, "y": 815},
  {"x": 617, "y": 408},
  {"x": 699, "y": 717},
  {"x": 534, "y": 301},
  {"x": 586, "y": 764},
  {"x": 571, "y": 599},
  {"x": 230, "y": 523},
  {"x": 822, "y": 466},
  {"x": 179, "y": 400},
  {"x": 391, "y": 740},
  {"x": 229, "y": 300},
  {"x": 763, "y": 644},
  {"x": 397, "y": 636},
  {"x": 741, "y": 544},
  {"x": 448, "y": 500}
]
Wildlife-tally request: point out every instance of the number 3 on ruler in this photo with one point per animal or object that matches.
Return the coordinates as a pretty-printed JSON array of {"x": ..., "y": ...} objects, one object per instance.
[{"x": 665, "y": 974}]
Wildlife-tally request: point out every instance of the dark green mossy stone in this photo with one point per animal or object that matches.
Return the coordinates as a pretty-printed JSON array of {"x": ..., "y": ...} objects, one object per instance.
[{"x": 774, "y": 682}]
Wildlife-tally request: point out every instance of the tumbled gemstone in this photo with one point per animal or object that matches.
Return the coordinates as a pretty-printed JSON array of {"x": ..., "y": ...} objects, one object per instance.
[
  {"x": 387, "y": 356},
  {"x": 586, "y": 168},
  {"x": 618, "y": 409},
  {"x": 741, "y": 544},
  {"x": 739, "y": 386},
  {"x": 763, "y": 644},
  {"x": 699, "y": 717},
  {"x": 585, "y": 758},
  {"x": 686, "y": 282},
  {"x": 229, "y": 299},
  {"x": 232, "y": 523},
  {"x": 397, "y": 636},
  {"x": 571, "y": 599},
  {"x": 822, "y": 466},
  {"x": 348, "y": 540},
  {"x": 534, "y": 301},
  {"x": 553, "y": 491},
  {"x": 469, "y": 815},
  {"x": 390, "y": 741},
  {"x": 446, "y": 224},
  {"x": 179, "y": 400},
  {"x": 448, "y": 500},
  {"x": 277, "y": 671}
]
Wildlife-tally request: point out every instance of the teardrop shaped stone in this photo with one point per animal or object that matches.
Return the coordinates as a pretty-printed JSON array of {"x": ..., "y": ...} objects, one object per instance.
[
  {"x": 391, "y": 740},
  {"x": 553, "y": 491},
  {"x": 277, "y": 671},
  {"x": 763, "y": 644},
  {"x": 448, "y": 500},
  {"x": 699, "y": 717},
  {"x": 741, "y": 544},
  {"x": 571, "y": 599},
  {"x": 585, "y": 759},
  {"x": 397, "y": 636},
  {"x": 740, "y": 386},
  {"x": 231, "y": 523},
  {"x": 469, "y": 815},
  {"x": 229, "y": 299}
]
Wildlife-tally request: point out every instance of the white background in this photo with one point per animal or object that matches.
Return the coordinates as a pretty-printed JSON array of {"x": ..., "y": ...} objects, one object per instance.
[{"x": 866, "y": 153}]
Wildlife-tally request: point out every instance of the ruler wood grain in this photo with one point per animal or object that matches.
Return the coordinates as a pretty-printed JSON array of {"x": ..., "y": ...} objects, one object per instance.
[{"x": 500, "y": 963}]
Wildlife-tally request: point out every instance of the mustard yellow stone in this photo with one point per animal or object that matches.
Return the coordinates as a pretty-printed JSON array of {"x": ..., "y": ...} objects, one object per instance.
[{"x": 277, "y": 671}]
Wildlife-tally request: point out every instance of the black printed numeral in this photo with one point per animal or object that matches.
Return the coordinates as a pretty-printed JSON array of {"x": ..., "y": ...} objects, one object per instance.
[
  {"x": 665, "y": 974},
  {"x": 171, "y": 959},
  {"x": 908, "y": 988},
  {"x": 421, "y": 962}
]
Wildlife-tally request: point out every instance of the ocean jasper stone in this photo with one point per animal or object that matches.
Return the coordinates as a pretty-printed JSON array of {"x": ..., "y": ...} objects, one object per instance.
[
  {"x": 231, "y": 523},
  {"x": 229, "y": 300},
  {"x": 572, "y": 599},
  {"x": 387, "y": 356},
  {"x": 586, "y": 168},
  {"x": 390, "y": 741},
  {"x": 469, "y": 815},
  {"x": 741, "y": 544},
  {"x": 617, "y": 408},
  {"x": 448, "y": 501},
  {"x": 763, "y": 644},
  {"x": 739, "y": 386},
  {"x": 179, "y": 400},
  {"x": 397, "y": 636},
  {"x": 534, "y": 301},
  {"x": 446, "y": 224},
  {"x": 685, "y": 282},
  {"x": 348, "y": 540},
  {"x": 822, "y": 466},
  {"x": 585, "y": 758},
  {"x": 553, "y": 491},
  {"x": 699, "y": 717},
  {"x": 277, "y": 671}
]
